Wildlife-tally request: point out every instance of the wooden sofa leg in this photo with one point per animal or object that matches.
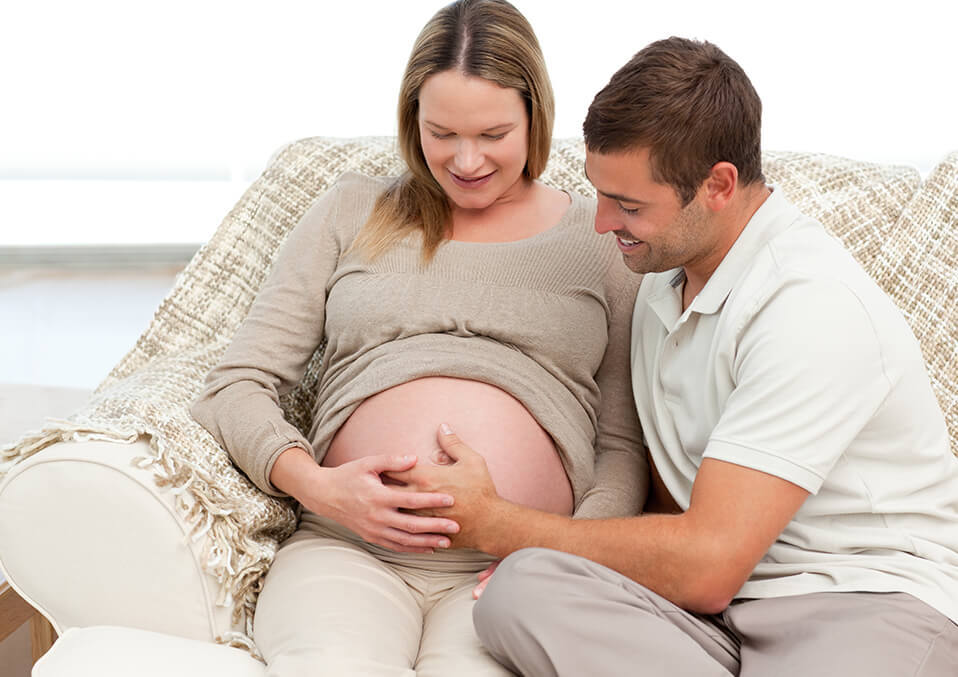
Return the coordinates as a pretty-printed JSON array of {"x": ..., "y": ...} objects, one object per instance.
[
  {"x": 42, "y": 636},
  {"x": 14, "y": 612}
]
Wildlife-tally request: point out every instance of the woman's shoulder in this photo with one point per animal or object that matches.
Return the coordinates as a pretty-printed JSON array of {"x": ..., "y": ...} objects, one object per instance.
[
  {"x": 345, "y": 204},
  {"x": 356, "y": 189},
  {"x": 353, "y": 192},
  {"x": 582, "y": 207},
  {"x": 579, "y": 236},
  {"x": 579, "y": 222}
]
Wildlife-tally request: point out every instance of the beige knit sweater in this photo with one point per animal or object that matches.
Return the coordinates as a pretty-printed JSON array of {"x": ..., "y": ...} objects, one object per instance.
[{"x": 546, "y": 319}]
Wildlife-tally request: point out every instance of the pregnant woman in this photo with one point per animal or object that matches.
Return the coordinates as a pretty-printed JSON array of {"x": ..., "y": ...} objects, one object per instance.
[{"x": 464, "y": 291}]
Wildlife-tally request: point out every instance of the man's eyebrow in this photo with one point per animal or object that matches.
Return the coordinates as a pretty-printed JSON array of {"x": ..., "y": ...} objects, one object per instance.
[{"x": 611, "y": 196}]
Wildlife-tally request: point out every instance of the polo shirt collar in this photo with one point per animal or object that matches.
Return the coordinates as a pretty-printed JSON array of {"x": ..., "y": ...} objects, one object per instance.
[
  {"x": 666, "y": 300},
  {"x": 771, "y": 218}
]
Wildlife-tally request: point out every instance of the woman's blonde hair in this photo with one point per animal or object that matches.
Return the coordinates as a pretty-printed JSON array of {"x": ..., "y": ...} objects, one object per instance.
[{"x": 489, "y": 39}]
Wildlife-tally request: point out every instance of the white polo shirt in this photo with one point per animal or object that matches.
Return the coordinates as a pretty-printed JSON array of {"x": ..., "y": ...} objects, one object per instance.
[{"x": 793, "y": 362}]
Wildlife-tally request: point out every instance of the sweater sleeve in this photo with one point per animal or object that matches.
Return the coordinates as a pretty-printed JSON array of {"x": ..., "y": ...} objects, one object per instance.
[
  {"x": 269, "y": 353},
  {"x": 621, "y": 467}
]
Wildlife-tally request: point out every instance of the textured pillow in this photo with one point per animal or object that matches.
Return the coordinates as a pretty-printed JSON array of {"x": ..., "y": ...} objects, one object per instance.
[
  {"x": 858, "y": 202},
  {"x": 918, "y": 268}
]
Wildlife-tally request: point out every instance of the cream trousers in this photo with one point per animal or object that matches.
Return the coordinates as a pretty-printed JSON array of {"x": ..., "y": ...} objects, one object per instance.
[{"x": 333, "y": 604}]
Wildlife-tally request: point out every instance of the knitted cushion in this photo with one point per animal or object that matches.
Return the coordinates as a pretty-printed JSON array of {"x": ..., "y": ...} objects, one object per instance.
[{"x": 918, "y": 268}]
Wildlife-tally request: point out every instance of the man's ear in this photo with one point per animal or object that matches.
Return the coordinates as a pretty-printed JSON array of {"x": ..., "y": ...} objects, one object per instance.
[{"x": 720, "y": 185}]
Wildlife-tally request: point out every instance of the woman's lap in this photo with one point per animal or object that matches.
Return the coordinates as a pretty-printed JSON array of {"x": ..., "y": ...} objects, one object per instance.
[
  {"x": 449, "y": 641},
  {"x": 329, "y": 604}
]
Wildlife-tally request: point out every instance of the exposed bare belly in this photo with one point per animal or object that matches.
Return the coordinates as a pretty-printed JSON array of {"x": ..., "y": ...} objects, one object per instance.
[{"x": 521, "y": 456}]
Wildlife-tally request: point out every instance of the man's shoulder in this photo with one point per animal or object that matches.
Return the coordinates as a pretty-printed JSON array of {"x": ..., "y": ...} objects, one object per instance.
[
  {"x": 806, "y": 275},
  {"x": 807, "y": 255}
]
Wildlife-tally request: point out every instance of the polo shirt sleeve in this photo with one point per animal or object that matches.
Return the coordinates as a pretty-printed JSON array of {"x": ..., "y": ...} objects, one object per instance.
[{"x": 808, "y": 375}]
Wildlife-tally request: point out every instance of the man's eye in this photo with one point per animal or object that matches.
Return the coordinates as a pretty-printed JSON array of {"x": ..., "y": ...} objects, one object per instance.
[{"x": 626, "y": 210}]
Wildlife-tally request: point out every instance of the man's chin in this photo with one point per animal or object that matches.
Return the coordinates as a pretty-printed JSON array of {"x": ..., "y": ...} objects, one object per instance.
[{"x": 640, "y": 266}]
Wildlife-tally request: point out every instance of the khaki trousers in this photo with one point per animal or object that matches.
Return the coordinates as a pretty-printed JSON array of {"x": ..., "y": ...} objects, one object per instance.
[
  {"x": 549, "y": 613},
  {"x": 333, "y": 604}
]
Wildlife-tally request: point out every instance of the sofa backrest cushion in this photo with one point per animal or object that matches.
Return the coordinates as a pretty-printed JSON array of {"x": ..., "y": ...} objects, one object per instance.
[{"x": 918, "y": 268}]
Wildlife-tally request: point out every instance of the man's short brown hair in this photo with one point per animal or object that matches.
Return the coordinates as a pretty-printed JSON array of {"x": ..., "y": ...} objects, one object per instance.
[{"x": 690, "y": 104}]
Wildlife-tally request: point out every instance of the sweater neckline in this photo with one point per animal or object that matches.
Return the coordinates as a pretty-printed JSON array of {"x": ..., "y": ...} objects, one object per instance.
[{"x": 575, "y": 202}]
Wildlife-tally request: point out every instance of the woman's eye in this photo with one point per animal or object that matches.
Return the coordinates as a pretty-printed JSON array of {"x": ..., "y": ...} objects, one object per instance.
[
  {"x": 437, "y": 135},
  {"x": 494, "y": 137}
]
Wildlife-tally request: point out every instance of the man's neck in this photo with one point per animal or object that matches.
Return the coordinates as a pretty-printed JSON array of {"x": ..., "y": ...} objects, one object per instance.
[{"x": 734, "y": 220}]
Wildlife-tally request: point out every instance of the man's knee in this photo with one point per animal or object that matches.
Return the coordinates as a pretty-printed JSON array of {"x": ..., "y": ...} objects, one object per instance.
[
  {"x": 519, "y": 587},
  {"x": 517, "y": 576}
]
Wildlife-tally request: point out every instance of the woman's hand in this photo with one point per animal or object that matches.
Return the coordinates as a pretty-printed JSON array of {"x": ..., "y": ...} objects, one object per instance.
[{"x": 354, "y": 495}]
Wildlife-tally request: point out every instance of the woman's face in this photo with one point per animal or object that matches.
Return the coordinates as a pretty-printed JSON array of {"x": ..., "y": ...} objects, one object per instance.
[{"x": 475, "y": 138}]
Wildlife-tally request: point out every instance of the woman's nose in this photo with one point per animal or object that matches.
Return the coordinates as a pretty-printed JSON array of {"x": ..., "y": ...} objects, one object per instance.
[{"x": 468, "y": 157}]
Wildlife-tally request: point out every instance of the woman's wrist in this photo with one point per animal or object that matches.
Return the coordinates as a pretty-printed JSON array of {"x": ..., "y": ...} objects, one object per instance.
[{"x": 295, "y": 472}]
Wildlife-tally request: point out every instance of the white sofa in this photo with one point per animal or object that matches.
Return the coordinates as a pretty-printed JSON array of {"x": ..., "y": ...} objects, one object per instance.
[{"x": 131, "y": 516}]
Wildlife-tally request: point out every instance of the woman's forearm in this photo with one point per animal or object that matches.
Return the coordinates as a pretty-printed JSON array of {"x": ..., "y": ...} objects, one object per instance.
[{"x": 296, "y": 473}]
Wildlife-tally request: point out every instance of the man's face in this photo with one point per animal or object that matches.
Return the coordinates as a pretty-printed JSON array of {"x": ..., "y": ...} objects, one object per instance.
[{"x": 653, "y": 230}]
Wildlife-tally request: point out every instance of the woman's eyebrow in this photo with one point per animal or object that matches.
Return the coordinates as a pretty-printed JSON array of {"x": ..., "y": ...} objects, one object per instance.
[{"x": 494, "y": 128}]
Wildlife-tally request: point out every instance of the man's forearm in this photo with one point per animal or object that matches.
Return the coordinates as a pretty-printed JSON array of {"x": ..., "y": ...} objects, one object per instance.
[
  {"x": 698, "y": 559},
  {"x": 661, "y": 552}
]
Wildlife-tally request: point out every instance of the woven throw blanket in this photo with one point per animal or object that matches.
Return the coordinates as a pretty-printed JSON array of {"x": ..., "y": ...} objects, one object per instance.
[{"x": 149, "y": 391}]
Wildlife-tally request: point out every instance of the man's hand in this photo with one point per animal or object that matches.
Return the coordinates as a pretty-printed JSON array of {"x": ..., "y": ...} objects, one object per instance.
[{"x": 463, "y": 475}]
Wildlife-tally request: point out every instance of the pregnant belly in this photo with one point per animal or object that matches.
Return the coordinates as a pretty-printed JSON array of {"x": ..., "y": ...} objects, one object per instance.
[{"x": 404, "y": 419}]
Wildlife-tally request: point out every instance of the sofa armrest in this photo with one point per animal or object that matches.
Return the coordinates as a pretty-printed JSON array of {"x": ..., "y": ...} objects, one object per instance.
[{"x": 89, "y": 539}]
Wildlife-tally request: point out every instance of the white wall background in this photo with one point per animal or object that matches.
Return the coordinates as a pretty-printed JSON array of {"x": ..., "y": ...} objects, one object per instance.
[{"x": 138, "y": 121}]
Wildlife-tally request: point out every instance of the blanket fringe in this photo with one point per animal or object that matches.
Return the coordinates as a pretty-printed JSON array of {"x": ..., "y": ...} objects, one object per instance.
[
  {"x": 240, "y": 641},
  {"x": 58, "y": 430}
]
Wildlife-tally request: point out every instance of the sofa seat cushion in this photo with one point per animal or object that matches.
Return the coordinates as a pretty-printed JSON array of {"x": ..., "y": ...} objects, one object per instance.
[{"x": 106, "y": 651}]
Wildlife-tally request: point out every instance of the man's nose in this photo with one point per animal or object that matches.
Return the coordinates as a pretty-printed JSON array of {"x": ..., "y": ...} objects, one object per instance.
[{"x": 606, "y": 219}]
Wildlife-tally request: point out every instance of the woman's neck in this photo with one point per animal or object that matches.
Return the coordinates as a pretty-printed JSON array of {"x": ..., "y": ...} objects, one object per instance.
[{"x": 521, "y": 214}]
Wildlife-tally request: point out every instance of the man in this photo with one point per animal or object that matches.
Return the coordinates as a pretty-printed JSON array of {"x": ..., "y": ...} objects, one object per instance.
[{"x": 787, "y": 411}]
